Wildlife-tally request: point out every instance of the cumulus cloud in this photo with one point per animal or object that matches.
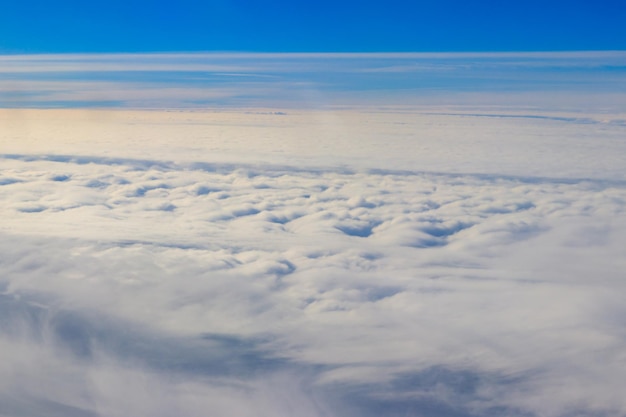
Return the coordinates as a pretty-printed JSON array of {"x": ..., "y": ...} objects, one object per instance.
[{"x": 230, "y": 263}]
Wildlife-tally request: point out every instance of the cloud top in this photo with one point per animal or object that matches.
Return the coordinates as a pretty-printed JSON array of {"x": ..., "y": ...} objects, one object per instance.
[
  {"x": 313, "y": 235},
  {"x": 152, "y": 287}
]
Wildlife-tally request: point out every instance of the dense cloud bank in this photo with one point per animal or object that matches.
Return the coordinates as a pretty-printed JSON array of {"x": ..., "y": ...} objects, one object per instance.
[{"x": 143, "y": 287}]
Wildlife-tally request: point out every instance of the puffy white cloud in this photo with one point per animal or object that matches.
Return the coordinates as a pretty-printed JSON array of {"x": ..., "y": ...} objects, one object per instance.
[{"x": 159, "y": 263}]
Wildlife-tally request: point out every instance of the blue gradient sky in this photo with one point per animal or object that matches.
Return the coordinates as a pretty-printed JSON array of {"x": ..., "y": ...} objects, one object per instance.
[{"x": 38, "y": 26}]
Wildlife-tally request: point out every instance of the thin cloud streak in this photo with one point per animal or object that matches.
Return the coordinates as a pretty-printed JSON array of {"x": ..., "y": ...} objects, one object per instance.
[{"x": 335, "y": 78}]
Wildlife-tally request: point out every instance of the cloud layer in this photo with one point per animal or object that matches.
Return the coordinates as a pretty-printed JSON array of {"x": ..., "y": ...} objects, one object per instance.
[
  {"x": 589, "y": 81},
  {"x": 188, "y": 281}
]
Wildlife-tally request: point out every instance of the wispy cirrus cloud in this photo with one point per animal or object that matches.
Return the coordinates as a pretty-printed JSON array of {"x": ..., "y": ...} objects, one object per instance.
[{"x": 308, "y": 80}]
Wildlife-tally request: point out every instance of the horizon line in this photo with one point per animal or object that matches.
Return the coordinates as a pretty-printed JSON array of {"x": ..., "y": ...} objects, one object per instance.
[{"x": 529, "y": 53}]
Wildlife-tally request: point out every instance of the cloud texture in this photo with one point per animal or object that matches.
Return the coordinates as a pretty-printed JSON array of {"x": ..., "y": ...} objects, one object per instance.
[{"x": 211, "y": 277}]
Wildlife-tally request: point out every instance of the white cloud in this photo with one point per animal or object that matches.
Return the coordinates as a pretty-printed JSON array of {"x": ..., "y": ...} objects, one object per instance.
[
  {"x": 448, "y": 241},
  {"x": 159, "y": 263}
]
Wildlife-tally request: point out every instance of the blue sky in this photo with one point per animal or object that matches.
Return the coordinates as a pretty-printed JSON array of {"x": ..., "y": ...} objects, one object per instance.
[{"x": 39, "y": 26}]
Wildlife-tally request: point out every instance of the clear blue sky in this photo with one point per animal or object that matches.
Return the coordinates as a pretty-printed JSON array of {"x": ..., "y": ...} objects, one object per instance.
[{"x": 34, "y": 26}]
